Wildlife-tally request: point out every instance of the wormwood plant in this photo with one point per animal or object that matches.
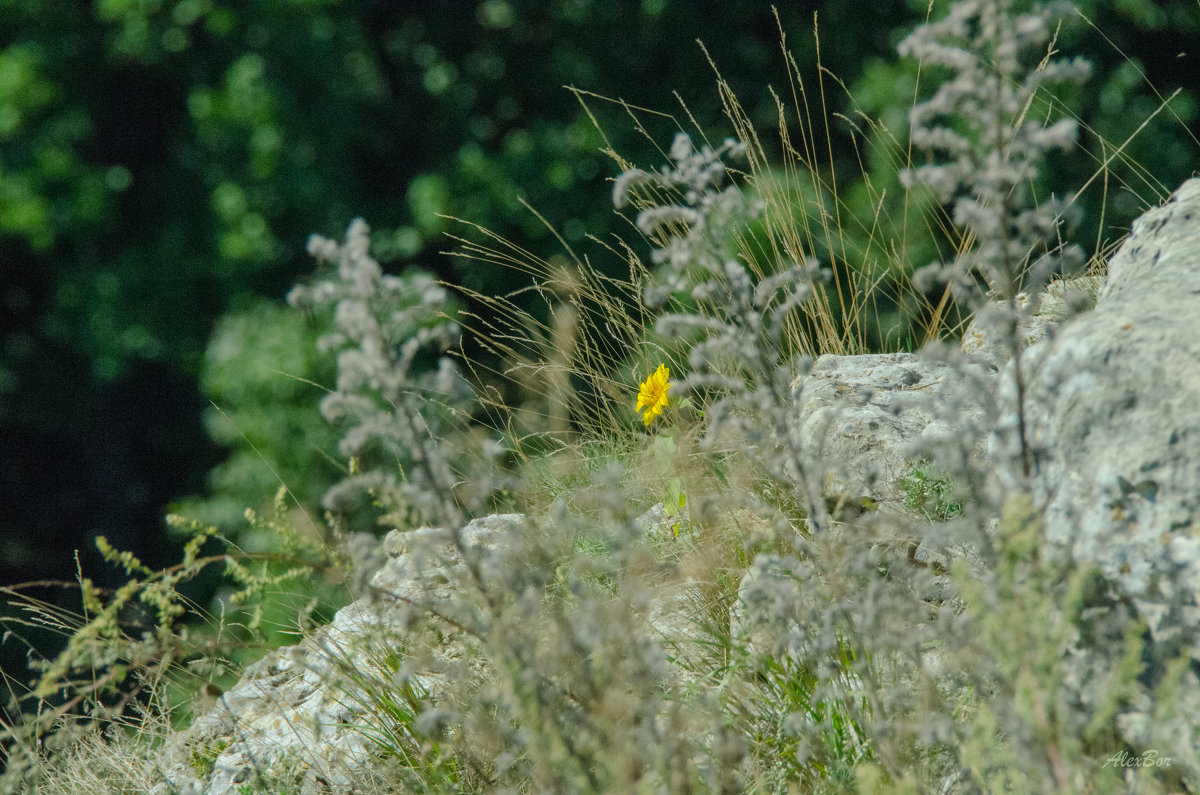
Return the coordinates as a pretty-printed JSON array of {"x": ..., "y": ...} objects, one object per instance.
[
  {"x": 988, "y": 128},
  {"x": 984, "y": 133},
  {"x": 390, "y": 408}
]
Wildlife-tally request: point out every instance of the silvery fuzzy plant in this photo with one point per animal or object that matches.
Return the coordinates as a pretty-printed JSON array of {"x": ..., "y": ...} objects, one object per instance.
[
  {"x": 820, "y": 598},
  {"x": 1004, "y": 645},
  {"x": 1111, "y": 665},
  {"x": 393, "y": 410},
  {"x": 985, "y": 141},
  {"x": 735, "y": 314},
  {"x": 982, "y": 135},
  {"x": 691, "y": 211},
  {"x": 404, "y": 421},
  {"x": 985, "y": 138},
  {"x": 555, "y": 677}
]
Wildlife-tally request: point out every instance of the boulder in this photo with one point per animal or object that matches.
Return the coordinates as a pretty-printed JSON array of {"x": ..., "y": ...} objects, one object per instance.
[
  {"x": 297, "y": 719},
  {"x": 1115, "y": 420},
  {"x": 1113, "y": 416},
  {"x": 862, "y": 417},
  {"x": 865, "y": 418},
  {"x": 1061, "y": 300}
]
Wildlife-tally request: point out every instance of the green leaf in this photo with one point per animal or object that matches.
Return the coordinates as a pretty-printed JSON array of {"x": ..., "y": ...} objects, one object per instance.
[
  {"x": 664, "y": 453},
  {"x": 676, "y": 497}
]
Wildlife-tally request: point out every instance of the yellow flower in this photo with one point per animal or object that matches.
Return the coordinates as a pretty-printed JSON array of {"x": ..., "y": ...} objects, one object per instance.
[{"x": 653, "y": 393}]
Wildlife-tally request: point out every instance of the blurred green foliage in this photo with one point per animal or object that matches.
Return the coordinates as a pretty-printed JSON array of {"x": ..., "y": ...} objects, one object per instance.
[
  {"x": 259, "y": 371},
  {"x": 162, "y": 164}
]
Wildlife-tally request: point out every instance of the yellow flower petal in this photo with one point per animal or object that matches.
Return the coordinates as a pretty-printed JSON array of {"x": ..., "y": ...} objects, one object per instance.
[{"x": 653, "y": 394}]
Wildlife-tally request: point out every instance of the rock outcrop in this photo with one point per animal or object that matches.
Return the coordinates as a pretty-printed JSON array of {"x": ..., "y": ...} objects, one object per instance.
[
  {"x": 301, "y": 718},
  {"x": 1113, "y": 415},
  {"x": 297, "y": 717},
  {"x": 860, "y": 417},
  {"x": 1116, "y": 397}
]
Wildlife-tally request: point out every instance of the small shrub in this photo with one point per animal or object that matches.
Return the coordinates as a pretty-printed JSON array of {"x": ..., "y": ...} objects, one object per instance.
[{"x": 933, "y": 498}]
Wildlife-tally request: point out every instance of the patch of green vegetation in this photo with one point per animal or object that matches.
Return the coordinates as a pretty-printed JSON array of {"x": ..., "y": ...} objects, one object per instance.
[
  {"x": 934, "y": 497},
  {"x": 204, "y": 758}
]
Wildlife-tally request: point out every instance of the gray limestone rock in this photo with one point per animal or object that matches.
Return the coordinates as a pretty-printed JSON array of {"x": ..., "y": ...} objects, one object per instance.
[
  {"x": 1061, "y": 300},
  {"x": 862, "y": 417},
  {"x": 1116, "y": 397},
  {"x": 298, "y": 717}
]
